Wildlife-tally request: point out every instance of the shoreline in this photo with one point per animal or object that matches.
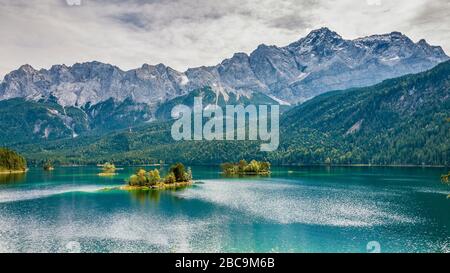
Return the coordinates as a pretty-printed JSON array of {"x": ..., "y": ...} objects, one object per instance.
[
  {"x": 13, "y": 172},
  {"x": 158, "y": 186},
  {"x": 281, "y": 165},
  {"x": 247, "y": 173},
  {"x": 107, "y": 174}
]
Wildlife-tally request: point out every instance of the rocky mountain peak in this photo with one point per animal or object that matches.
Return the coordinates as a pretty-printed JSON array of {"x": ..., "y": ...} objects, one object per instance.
[
  {"x": 59, "y": 67},
  {"x": 321, "y": 41},
  {"x": 320, "y": 62},
  {"x": 423, "y": 43},
  {"x": 27, "y": 69},
  {"x": 323, "y": 34},
  {"x": 394, "y": 37}
]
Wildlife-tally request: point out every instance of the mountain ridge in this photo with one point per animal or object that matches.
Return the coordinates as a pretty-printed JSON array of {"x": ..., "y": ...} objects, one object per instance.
[
  {"x": 401, "y": 121},
  {"x": 97, "y": 98},
  {"x": 319, "y": 62}
]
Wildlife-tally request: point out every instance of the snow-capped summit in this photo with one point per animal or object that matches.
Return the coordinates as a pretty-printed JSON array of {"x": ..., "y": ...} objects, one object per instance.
[
  {"x": 320, "y": 62},
  {"x": 321, "y": 35}
]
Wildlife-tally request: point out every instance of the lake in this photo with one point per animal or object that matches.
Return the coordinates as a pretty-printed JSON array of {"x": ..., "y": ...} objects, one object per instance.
[{"x": 296, "y": 209}]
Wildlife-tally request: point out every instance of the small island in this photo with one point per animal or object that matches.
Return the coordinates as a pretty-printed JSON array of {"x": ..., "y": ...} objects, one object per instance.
[
  {"x": 48, "y": 166},
  {"x": 108, "y": 169},
  {"x": 177, "y": 177},
  {"x": 11, "y": 162},
  {"x": 244, "y": 168},
  {"x": 445, "y": 178}
]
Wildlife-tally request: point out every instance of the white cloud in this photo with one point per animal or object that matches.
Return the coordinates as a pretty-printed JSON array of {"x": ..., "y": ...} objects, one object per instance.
[
  {"x": 73, "y": 2},
  {"x": 186, "y": 33},
  {"x": 373, "y": 2}
]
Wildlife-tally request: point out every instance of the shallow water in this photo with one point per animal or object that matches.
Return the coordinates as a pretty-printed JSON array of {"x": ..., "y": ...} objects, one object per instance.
[{"x": 293, "y": 210}]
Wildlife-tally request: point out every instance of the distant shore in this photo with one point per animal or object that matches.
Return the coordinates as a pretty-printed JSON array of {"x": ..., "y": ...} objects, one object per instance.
[
  {"x": 366, "y": 165},
  {"x": 286, "y": 165}
]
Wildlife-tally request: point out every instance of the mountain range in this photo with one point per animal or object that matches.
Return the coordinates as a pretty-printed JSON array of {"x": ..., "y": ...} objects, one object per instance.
[
  {"x": 404, "y": 120},
  {"x": 320, "y": 62},
  {"x": 94, "y": 99}
]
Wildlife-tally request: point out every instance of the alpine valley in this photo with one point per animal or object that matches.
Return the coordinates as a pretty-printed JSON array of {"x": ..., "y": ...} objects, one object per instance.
[{"x": 393, "y": 106}]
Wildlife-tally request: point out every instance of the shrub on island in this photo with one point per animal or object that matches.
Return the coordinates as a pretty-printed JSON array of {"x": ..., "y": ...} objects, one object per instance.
[
  {"x": 177, "y": 176},
  {"x": 244, "y": 168},
  {"x": 108, "y": 169},
  {"x": 48, "y": 166},
  {"x": 445, "y": 178},
  {"x": 170, "y": 179},
  {"x": 180, "y": 173},
  {"x": 144, "y": 178}
]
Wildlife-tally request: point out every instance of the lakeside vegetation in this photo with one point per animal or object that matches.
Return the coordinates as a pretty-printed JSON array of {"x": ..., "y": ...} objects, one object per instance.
[
  {"x": 178, "y": 176},
  {"x": 244, "y": 168},
  {"x": 11, "y": 162}
]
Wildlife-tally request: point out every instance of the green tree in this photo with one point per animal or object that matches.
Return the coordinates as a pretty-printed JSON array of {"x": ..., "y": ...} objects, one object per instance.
[
  {"x": 170, "y": 178},
  {"x": 108, "y": 168},
  {"x": 241, "y": 165},
  {"x": 48, "y": 166},
  {"x": 445, "y": 178},
  {"x": 179, "y": 172},
  {"x": 153, "y": 177}
]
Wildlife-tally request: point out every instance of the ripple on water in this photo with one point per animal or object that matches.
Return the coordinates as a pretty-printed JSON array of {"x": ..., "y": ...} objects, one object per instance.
[
  {"x": 117, "y": 232},
  {"x": 305, "y": 204},
  {"x": 11, "y": 195}
]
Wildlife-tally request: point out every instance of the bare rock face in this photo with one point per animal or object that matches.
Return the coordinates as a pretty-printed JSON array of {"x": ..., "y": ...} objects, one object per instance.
[{"x": 320, "y": 62}]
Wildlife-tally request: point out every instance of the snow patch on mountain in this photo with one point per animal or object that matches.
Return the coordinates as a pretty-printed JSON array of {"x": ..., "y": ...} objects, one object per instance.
[
  {"x": 279, "y": 101},
  {"x": 320, "y": 62}
]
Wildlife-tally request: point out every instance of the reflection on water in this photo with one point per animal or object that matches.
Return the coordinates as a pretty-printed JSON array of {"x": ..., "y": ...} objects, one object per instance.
[
  {"x": 146, "y": 195},
  {"x": 153, "y": 195},
  {"x": 12, "y": 178},
  {"x": 246, "y": 176}
]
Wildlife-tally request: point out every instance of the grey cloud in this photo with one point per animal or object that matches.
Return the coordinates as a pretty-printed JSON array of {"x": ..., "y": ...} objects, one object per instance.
[
  {"x": 134, "y": 19},
  {"x": 290, "y": 22},
  {"x": 435, "y": 12},
  {"x": 432, "y": 22},
  {"x": 296, "y": 16},
  {"x": 188, "y": 33}
]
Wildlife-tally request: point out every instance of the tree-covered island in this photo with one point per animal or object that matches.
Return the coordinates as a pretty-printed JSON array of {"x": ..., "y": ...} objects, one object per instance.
[
  {"x": 177, "y": 177},
  {"x": 48, "y": 166},
  {"x": 108, "y": 169},
  {"x": 244, "y": 168},
  {"x": 445, "y": 178},
  {"x": 11, "y": 162}
]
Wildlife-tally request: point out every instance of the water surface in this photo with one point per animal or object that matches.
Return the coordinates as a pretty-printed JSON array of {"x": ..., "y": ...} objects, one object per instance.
[{"x": 293, "y": 210}]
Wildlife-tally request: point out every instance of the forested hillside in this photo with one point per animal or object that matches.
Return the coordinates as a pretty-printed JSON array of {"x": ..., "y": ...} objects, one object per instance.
[
  {"x": 10, "y": 161},
  {"x": 399, "y": 121}
]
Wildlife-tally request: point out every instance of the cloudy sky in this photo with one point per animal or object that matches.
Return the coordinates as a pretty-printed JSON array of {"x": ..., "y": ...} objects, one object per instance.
[{"x": 189, "y": 33}]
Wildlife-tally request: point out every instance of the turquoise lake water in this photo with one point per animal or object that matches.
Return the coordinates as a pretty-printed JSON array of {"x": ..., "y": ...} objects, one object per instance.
[{"x": 293, "y": 210}]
